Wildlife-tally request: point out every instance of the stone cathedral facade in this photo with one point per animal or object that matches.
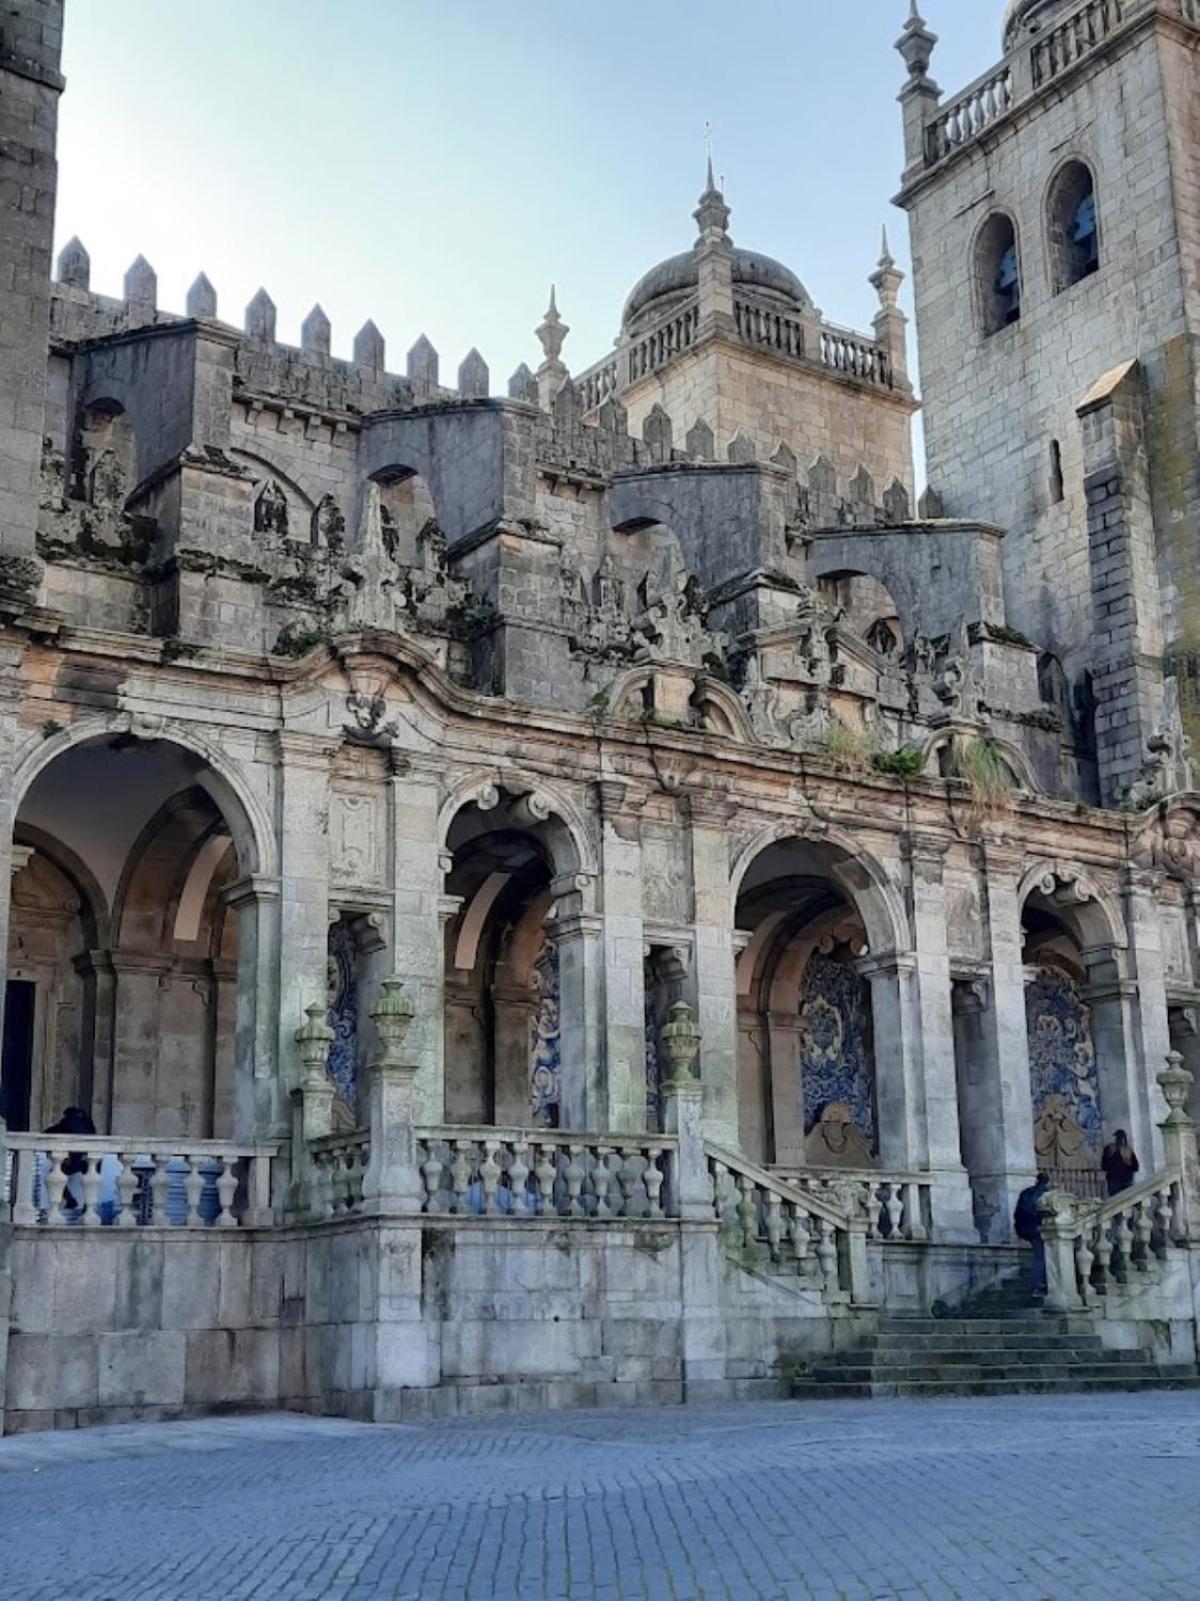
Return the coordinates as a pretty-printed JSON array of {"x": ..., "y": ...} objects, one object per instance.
[{"x": 778, "y": 868}]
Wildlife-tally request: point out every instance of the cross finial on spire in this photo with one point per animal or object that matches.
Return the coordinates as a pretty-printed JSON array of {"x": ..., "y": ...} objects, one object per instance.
[
  {"x": 885, "y": 255},
  {"x": 916, "y": 43}
]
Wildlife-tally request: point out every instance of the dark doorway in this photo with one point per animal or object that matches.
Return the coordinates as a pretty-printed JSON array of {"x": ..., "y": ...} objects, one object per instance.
[{"x": 16, "y": 1065}]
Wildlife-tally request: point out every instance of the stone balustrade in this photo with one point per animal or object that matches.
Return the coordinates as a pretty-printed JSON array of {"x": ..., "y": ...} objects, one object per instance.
[
  {"x": 760, "y": 325},
  {"x": 763, "y": 1218},
  {"x": 1075, "y": 37},
  {"x": 663, "y": 343},
  {"x": 897, "y": 1206},
  {"x": 855, "y": 356},
  {"x": 979, "y": 105},
  {"x": 98, "y": 1181},
  {"x": 339, "y": 1165},
  {"x": 1091, "y": 1250},
  {"x": 598, "y": 384},
  {"x": 522, "y": 1173}
]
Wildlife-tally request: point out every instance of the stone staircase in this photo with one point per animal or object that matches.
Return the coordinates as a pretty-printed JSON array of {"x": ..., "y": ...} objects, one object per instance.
[{"x": 995, "y": 1345}]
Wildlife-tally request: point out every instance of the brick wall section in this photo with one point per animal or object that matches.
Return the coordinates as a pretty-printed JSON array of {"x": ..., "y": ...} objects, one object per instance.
[{"x": 30, "y": 54}]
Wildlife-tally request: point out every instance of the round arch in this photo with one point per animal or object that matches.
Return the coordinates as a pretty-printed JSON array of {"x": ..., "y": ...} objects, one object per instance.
[
  {"x": 859, "y": 875},
  {"x": 542, "y": 809},
  {"x": 1090, "y": 914},
  {"x": 248, "y": 819}
]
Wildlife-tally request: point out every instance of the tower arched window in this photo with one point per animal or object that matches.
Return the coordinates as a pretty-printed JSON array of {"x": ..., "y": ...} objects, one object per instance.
[
  {"x": 998, "y": 273},
  {"x": 1073, "y": 226}
]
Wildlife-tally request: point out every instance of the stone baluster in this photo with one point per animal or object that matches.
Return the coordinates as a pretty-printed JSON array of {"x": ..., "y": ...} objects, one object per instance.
[
  {"x": 227, "y": 1184},
  {"x": 601, "y": 1180},
  {"x": 460, "y": 1176},
  {"x": 1143, "y": 1230},
  {"x": 56, "y": 1184},
  {"x": 312, "y": 1102},
  {"x": 574, "y": 1175},
  {"x": 800, "y": 1236},
  {"x": 653, "y": 1180},
  {"x": 392, "y": 1183},
  {"x": 914, "y": 1227},
  {"x": 127, "y": 1184},
  {"x": 321, "y": 1200},
  {"x": 91, "y": 1192},
  {"x": 489, "y": 1174},
  {"x": 895, "y": 1211},
  {"x": 1123, "y": 1246},
  {"x": 518, "y": 1180},
  {"x": 25, "y": 1211},
  {"x": 1084, "y": 1258},
  {"x": 614, "y": 1164},
  {"x": 431, "y": 1173},
  {"x": 160, "y": 1184},
  {"x": 774, "y": 1223},
  {"x": 1102, "y": 1253},
  {"x": 632, "y": 1185},
  {"x": 827, "y": 1254},
  {"x": 545, "y": 1172},
  {"x": 748, "y": 1212},
  {"x": 193, "y": 1188}
]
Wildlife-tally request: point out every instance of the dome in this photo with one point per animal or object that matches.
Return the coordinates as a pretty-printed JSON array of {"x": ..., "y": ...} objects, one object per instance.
[
  {"x": 680, "y": 275},
  {"x": 1023, "y": 17}
]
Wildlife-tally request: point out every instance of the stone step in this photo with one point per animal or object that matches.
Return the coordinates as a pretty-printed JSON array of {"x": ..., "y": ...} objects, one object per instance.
[
  {"x": 960, "y": 1328},
  {"x": 1023, "y": 1340},
  {"x": 1005, "y": 1356},
  {"x": 807, "y": 1390},
  {"x": 983, "y": 1372}
]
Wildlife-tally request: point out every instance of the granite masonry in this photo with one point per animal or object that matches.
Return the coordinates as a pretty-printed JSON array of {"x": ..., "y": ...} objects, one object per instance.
[{"x": 593, "y": 892}]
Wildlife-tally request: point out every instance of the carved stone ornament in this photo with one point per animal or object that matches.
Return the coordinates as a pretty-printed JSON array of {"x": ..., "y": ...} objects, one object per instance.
[{"x": 271, "y": 511}]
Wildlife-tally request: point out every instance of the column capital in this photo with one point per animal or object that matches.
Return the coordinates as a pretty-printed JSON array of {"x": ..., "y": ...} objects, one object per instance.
[
  {"x": 254, "y": 887},
  {"x": 576, "y": 925},
  {"x": 1001, "y": 859},
  {"x": 314, "y": 751},
  {"x": 20, "y": 857},
  {"x": 707, "y": 810},
  {"x": 889, "y": 965}
]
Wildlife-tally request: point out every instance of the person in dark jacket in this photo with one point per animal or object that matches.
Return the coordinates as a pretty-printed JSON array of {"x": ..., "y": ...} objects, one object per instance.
[
  {"x": 1120, "y": 1163},
  {"x": 73, "y": 1121},
  {"x": 1027, "y": 1221}
]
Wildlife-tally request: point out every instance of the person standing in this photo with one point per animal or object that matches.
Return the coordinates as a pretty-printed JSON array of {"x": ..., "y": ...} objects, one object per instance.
[
  {"x": 1120, "y": 1163},
  {"x": 1027, "y": 1221}
]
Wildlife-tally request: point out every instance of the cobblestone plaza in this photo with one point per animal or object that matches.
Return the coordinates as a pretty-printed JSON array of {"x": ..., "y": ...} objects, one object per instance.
[{"x": 1025, "y": 1500}]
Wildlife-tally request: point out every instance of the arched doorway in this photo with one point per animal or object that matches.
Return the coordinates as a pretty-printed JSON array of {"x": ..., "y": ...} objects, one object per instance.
[
  {"x": 807, "y": 1085},
  {"x": 122, "y": 929}
]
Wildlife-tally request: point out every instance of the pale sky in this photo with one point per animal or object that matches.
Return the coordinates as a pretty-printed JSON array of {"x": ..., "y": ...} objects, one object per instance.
[{"x": 434, "y": 164}]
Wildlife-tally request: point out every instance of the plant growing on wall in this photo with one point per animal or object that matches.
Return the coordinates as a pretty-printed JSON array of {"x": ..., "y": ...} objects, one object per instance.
[{"x": 980, "y": 765}]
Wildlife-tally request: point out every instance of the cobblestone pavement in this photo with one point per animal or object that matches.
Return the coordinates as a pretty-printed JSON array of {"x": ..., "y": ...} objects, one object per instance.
[{"x": 1023, "y": 1499}]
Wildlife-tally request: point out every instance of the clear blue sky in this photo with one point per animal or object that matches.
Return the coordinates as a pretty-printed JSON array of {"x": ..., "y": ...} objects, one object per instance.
[{"x": 434, "y": 164}]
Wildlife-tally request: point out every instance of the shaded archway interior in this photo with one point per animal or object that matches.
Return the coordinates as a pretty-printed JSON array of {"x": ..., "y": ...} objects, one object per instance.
[{"x": 122, "y": 958}]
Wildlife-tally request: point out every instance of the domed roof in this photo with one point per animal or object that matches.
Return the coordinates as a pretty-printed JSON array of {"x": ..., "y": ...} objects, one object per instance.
[
  {"x": 1030, "y": 16},
  {"x": 680, "y": 275}
]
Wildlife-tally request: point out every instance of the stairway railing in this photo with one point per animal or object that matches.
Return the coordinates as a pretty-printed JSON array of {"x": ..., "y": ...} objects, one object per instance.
[
  {"x": 1095, "y": 1248},
  {"x": 762, "y": 1216}
]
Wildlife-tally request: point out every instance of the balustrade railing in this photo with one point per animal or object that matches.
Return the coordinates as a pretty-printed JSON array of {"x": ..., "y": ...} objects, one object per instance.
[
  {"x": 339, "y": 1165},
  {"x": 897, "y": 1206},
  {"x": 522, "y": 1173},
  {"x": 597, "y": 384},
  {"x": 98, "y": 1181},
  {"x": 761, "y": 1215},
  {"x": 1095, "y": 1249},
  {"x": 1075, "y": 37},
  {"x": 759, "y": 325},
  {"x": 662, "y": 344},
  {"x": 849, "y": 353},
  {"x": 986, "y": 100}
]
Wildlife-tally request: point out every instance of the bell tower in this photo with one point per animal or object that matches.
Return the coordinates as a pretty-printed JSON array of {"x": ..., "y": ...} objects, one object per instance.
[
  {"x": 1055, "y": 232},
  {"x": 30, "y": 84}
]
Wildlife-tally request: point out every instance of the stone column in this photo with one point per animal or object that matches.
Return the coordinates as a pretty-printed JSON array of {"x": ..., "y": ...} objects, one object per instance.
[
  {"x": 303, "y": 947},
  {"x": 951, "y": 1193},
  {"x": 11, "y": 861},
  {"x": 1152, "y": 1026},
  {"x": 419, "y": 945},
  {"x": 899, "y": 1092},
  {"x": 137, "y": 1107},
  {"x": 577, "y": 935},
  {"x": 1006, "y": 1160},
  {"x": 1112, "y": 999},
  {"x": 260, "y": 1106},
  {"x": 715, "y": 975},
  {"x": 624, "y": 961},
  {"x": 96, "y": 968}
]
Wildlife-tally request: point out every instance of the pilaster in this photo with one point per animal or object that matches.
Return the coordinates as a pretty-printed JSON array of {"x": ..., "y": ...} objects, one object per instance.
[
  {"x": 418, "y": 957},
  {"x": 1151, "y": 1022},
  {"x": 1007, "y": 1164},
  {"x": 715, "y": 981},
  {"x": 951, "y": 1196},
  {"x": 303, "y": 948},
  {"x": 624, "y": 962},
  {"x": 578, "y": 936}
]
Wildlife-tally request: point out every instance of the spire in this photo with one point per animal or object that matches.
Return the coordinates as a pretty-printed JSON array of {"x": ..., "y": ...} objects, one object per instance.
[
  {"x": 316, "y": 335},
  {"x": 260, "y": 318},
  {"x": 202, "y": 298},
  {"x": 887, "y": 278},
  {"x": 74, "y": 265},
  {"x": 712, "y": 214},
  {"x": 553, "y": 331},
  {"x": 916, "y": 44},
  {"x": 141, "y": 287}
]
